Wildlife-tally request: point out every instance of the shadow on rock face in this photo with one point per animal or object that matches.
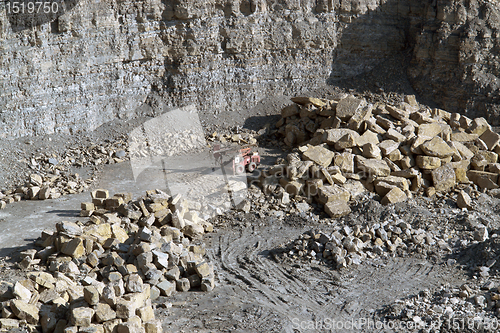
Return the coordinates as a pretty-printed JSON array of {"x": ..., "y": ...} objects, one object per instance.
[
  {"x": 375, "y": 49},
  {"x": 455, "y": 57},
  {"x": 479, "y": 256},
  {"x": 450, "y": 49},
  {"x": 27, "y": 14}
]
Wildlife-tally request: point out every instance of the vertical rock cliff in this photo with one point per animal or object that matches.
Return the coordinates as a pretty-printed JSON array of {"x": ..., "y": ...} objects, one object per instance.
[{"x": 93, "y": 62}]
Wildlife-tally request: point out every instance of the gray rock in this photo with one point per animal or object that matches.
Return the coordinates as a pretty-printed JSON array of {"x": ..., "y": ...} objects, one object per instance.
[
  {"x": 303, "y": 207},
  {"x": 481, "y": 234},
  {"x": 120, "y": 153}
]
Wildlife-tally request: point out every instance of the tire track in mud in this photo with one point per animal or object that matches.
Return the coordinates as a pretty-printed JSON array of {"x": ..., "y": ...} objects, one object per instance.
[
  {"x": 303, "y": 295},
  {"x": 257, "y": 294},
  {"x": 271, "y": 285}
]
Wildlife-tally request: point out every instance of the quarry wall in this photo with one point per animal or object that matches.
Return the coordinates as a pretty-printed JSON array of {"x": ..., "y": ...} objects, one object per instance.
[{"x": 92, "y": 62}]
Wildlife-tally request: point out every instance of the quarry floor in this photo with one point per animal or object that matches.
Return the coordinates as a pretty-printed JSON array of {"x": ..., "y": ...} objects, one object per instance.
[{"x": 255, "y": 292}]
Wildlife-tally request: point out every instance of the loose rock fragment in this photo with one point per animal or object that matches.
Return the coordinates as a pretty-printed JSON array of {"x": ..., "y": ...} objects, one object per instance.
[
  {"x": 443, "y": 178},
  {"x": 395, "y": 195},
  {"x": 347, "y": 107},
  {"x": 319, "y": 155},
  {"x": 481, "y": 234},
  {"x": 337, "y": 208},
  {"x": 464, "y": 200},
  {"x": 373, "y": 167},
  {"x": 25, "y": 311},
  {"x": 333, "y": 193}
]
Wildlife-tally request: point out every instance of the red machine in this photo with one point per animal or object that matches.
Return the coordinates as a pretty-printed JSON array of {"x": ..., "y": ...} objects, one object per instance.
[{"x": 244, "y": 158}]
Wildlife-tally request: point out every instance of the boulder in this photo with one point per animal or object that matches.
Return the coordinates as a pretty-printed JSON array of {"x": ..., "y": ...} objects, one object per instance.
[
  {"x": 490, "y": 138},
  {"x": 464, "y": 200},
  {"x": 429, "y": 130},
  {"x": 373, "y": 167},
  {"x": 332, "y": 193},
  {"x": 428, "y": 162},
  {"x": 347, "y": 107},
  {"x": 436, "y": 147},
  {"x": 319, "y": 155},
  {"x": 331, "y": 136},
  {"x": 444, "y": 178}
]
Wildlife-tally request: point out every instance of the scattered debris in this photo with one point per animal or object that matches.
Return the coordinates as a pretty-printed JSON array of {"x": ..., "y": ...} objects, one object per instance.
[
  {"x": 346, "y": 246},
  {"x": 52, "y": 177},
  {"x": 469, "y": 307}
]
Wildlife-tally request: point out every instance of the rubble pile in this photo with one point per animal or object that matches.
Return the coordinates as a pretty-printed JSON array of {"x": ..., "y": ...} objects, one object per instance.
[
  {"x": 53, "y": 177},
  {"x": 346, "y": 146},
  {"x": 281, "y": 207},
  {"x": 346, "y": 246},
  {"x": 239, "y": 136},
  {"x": 81, "y": 156},
  {"x": 474, "y": 306},
  {"x": 102, "y": 275},
  {"x": 45, "y": 187}
]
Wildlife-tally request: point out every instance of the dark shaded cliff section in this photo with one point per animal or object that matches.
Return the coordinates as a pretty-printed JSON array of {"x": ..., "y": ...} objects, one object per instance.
[{"x": 456, "y": 57}]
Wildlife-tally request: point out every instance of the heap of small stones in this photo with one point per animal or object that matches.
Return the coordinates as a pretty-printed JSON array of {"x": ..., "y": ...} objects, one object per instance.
[
  {"x": 347, "y": 146},
  {"x": 53, "y": 177},
  {"x": 346, "y": 246},
  {"x": 102, "y": 275},
  {"x": 453, "y": 233},
  {"x": 470, "y": 306},
  {"x": 263, "y": 205},
  {"x": 45, "y": 187},
  {"x": 80, "y": 156},
  {"x": 240, "y": 137}
]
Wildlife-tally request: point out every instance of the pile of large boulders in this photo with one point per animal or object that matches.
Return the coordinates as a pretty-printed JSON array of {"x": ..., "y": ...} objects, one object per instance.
[
  {"x": 347, "y": 146},
  {"x": 101, "y": 275}
]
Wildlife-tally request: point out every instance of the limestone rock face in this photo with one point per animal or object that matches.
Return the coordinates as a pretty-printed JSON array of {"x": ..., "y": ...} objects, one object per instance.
[
  {"x": 95, "y": 62},
  {"x": 98, "y": 62}
]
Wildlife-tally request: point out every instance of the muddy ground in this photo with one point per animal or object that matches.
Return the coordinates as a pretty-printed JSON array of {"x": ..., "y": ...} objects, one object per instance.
[{"x": 258, "y": 290}]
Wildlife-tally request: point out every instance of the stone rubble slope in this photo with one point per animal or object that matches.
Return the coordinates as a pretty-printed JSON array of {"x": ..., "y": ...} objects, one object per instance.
[
  {"x": 52, "y": 177},
  {"x": 347, "y": 146},
  {"x": 101, "y": 275}
]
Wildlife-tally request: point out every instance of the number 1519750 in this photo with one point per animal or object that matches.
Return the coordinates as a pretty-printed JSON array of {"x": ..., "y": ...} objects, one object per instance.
[{"x": 31, "y": 7}]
